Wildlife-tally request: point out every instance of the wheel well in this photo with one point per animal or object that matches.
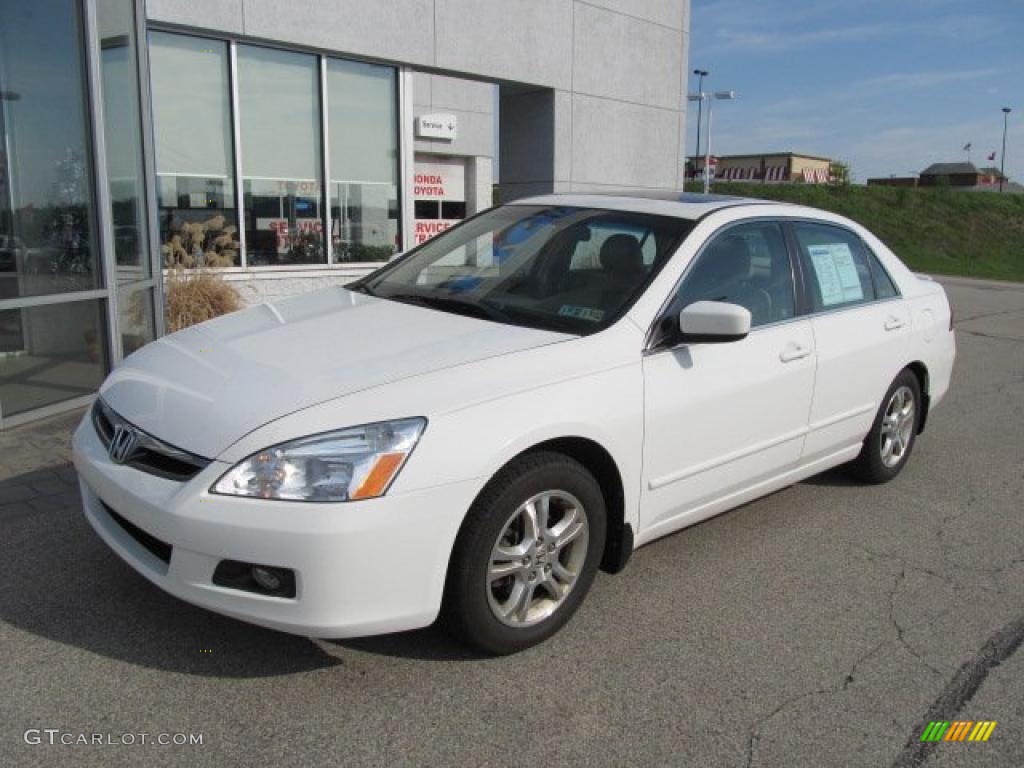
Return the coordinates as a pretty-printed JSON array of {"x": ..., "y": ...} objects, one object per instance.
[
  {"x": 918, "y": 369},
  {"x": 593, "y": 456}
]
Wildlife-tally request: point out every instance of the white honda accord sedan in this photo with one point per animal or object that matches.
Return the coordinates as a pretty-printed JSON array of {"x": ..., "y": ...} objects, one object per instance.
[{"x": 475, "y": 428}]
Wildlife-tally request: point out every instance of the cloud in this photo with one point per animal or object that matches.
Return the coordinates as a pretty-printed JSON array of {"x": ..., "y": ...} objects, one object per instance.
[
  {"x": 773, "y": 41},
  {"x": 772, "y": 28},
  {"x": 926, "y": 79}
]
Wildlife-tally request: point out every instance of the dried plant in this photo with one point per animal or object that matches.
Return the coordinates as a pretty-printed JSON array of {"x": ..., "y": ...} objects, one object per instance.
[
  {"x": 196, "y": 296},
  {"x": 211, "y": 243}
]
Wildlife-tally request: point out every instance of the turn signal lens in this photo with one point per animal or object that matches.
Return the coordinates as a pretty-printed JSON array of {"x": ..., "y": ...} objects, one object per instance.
[{"x": 380, "y": 476}]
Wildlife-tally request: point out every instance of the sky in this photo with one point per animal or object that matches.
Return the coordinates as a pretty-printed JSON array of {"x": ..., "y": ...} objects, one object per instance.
[{"x": 889, "y": 86}]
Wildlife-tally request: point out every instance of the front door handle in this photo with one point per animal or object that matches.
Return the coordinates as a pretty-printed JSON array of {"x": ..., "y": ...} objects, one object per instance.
[
  {"x": 794, "y": 352},
  {"x": 893, "y": 323}
]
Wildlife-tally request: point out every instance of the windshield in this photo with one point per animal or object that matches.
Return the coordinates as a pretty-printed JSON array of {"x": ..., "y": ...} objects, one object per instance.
[{"x": 559, "y": 268}]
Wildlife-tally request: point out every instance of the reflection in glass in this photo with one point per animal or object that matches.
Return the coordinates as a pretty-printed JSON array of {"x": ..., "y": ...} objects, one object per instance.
[
  {"x": 135, "y": 310},
  {"x": 279, "y": 119},
  {"x": 123, "y": 137},
  {"x": 46, "y": 209},
  {"x": 50, "y": 353},
  {"x": 363, "y": 132},
  {"x": 192, "y": 124}
]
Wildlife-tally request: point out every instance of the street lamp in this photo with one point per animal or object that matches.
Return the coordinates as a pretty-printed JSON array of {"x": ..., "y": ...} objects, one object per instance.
[
  {"x": 701, "y": 74},
  {"x": 721, "y": 96},
  {"x": 1002, "y": 157}
]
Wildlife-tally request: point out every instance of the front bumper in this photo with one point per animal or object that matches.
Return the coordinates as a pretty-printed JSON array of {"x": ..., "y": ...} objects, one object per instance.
[{"x": 361, "y": 568}]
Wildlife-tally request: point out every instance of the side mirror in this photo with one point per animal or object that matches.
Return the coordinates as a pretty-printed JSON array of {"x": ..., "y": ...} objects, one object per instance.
[{"x": 713, "y": 322}]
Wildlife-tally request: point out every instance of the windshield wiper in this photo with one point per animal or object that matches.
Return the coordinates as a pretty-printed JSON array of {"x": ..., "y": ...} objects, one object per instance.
[{"x": 455, "y": 306}]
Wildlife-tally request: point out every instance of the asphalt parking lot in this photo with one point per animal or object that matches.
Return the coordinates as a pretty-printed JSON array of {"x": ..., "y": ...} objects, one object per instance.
[{"x": 825, "y": 625}]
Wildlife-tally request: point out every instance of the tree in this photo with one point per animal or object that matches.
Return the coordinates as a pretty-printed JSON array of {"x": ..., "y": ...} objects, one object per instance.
[{"x": 839, "y": 173}]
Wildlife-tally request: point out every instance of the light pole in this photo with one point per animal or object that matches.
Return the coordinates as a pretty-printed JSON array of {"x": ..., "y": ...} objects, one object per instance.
[
  {"x": 701, "y": 74},
  {"x": 1002, "y": 157},
  {"x": 721, "y": 95}
]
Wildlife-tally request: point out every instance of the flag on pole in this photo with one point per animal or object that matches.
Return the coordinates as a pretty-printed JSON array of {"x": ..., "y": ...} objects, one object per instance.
[
  {"x": 967, "y": 147},
  {"x": 992, "y": 156}
]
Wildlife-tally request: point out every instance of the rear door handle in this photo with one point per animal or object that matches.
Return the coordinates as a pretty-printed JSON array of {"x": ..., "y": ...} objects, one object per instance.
[
  {"x": 794, "y": 352},
  {"x": 893, "y": 324}
]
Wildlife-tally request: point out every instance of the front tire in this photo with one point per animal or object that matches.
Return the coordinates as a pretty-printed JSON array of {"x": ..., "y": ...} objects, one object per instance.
[
  {"x": 526, "y": 555},
  {"x": 888, "y": 445}
]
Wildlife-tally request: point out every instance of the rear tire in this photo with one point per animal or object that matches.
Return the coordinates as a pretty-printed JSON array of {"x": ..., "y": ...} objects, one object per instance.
[
  {"x": 887, "y": 447},
  {"x": 526, "y": 555}
]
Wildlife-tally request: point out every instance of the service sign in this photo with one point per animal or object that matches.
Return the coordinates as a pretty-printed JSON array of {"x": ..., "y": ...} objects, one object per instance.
[{"x": 437, "y": 126}]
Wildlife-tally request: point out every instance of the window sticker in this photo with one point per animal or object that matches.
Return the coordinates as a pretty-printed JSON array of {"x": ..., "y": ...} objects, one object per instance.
[
  {"x": 582, "y": 313},
  {"x": 836, "y": 272}
]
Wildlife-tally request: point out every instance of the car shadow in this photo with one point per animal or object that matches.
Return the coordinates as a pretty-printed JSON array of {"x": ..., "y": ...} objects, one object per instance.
[
  {"x": 428, "y": 644},
  {"x": 833, "y": 478},
  {"x": 62, "y": 583}
]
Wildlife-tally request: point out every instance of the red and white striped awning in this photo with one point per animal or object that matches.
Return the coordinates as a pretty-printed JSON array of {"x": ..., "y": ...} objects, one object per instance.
[
  {"x": 775, "y": 173},
  {"x": 816, "y": 175},
  {"x": 738, "y": 173}
]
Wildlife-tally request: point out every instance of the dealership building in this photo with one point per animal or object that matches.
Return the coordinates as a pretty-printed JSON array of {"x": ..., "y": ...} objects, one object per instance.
[{"x": 291, "y": 145}]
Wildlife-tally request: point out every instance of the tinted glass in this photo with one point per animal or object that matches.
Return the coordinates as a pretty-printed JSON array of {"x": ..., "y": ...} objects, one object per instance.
[
  {"x": 50, "y": 353},
  {"x": 123, "y": 137},
  {"x": 835, "y": 267},
  {"x": 362, "y": 120},
  {"x": 747, "y": 265},
  {"x": 135, "y": 310},
  {"x": 47, "y": 240},
  {"x": 279, "y": 118},
  {"x": 192, "y": 123},
  {"x": 885, "y": 288},
  {"x": 560, "y": 268}
]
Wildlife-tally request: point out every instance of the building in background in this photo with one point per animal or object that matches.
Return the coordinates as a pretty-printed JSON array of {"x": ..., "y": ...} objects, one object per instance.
[
  {"x": 290, "y": 146},
  {"x": 777, "y": 167},
  {"x": 960, "y": 175}
]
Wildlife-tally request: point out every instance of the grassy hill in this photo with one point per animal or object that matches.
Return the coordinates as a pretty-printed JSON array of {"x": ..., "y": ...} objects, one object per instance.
[{"x": 980, "y": 234}]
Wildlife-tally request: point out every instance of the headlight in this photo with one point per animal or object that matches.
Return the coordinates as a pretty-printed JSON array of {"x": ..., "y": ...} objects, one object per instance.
[{"x": 356, "y": 463}]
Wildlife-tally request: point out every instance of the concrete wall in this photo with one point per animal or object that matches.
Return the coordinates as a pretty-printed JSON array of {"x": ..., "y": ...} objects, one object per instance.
[
  {"x": 593, "y": 91},
  {"x": 619, "y": 122}
]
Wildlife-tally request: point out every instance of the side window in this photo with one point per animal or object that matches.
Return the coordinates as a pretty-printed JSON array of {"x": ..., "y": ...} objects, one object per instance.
[
  {"x": 747, "y": 265},
  {"x": 835, "y": 266},
  {"x": 885, "y": 288}
]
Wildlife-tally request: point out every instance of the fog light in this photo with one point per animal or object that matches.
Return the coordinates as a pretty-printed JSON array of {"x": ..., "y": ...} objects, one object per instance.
[
  {"x": 250, "y": 577},
  {"x": 266, "y": 578}
]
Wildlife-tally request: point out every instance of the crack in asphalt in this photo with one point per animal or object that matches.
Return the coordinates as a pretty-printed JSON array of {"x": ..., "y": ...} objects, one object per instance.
[
  {"x": 899, "y": 627},
  {"x": 989, "y": 335},
  {"x": 754, "y": 736},
  {"x": 1000, "y": 646},
  {"x": 990, "y": 314},
  {"x": 957, "y": 692}
]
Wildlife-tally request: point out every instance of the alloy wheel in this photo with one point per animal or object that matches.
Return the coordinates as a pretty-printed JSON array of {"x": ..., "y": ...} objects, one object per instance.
[
  {"x": 897, "y": 427},
  {"x": 537, "y": 558}
]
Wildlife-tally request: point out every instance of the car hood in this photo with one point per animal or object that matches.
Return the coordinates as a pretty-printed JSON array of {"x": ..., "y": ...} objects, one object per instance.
[{"x": 203, "y": 388}]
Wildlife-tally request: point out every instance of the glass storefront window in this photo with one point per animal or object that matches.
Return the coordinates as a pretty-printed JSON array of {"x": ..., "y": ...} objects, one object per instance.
[
  {"x": 279, "y": 120},
  {"x": 51, "y": 353},
  {"x": 135, "y": 311},
  {"x": 194, "y": 158},
  {"x": 362, "y": 123},
  {"x": 47, "y": 230},
  {"x": 123, "y": 137}
]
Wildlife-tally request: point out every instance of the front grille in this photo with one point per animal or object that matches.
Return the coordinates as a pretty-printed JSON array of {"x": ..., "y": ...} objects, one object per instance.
[
  {"x": 159, "y": 549},
  {"x": 149, "y": 454}
]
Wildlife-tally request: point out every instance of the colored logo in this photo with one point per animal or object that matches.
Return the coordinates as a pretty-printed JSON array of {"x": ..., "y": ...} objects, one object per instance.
[{"x": 958, "y": 730}]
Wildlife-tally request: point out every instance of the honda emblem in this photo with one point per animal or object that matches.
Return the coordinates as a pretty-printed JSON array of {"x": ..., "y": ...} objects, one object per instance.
[{"x": 122, "y": 444}]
